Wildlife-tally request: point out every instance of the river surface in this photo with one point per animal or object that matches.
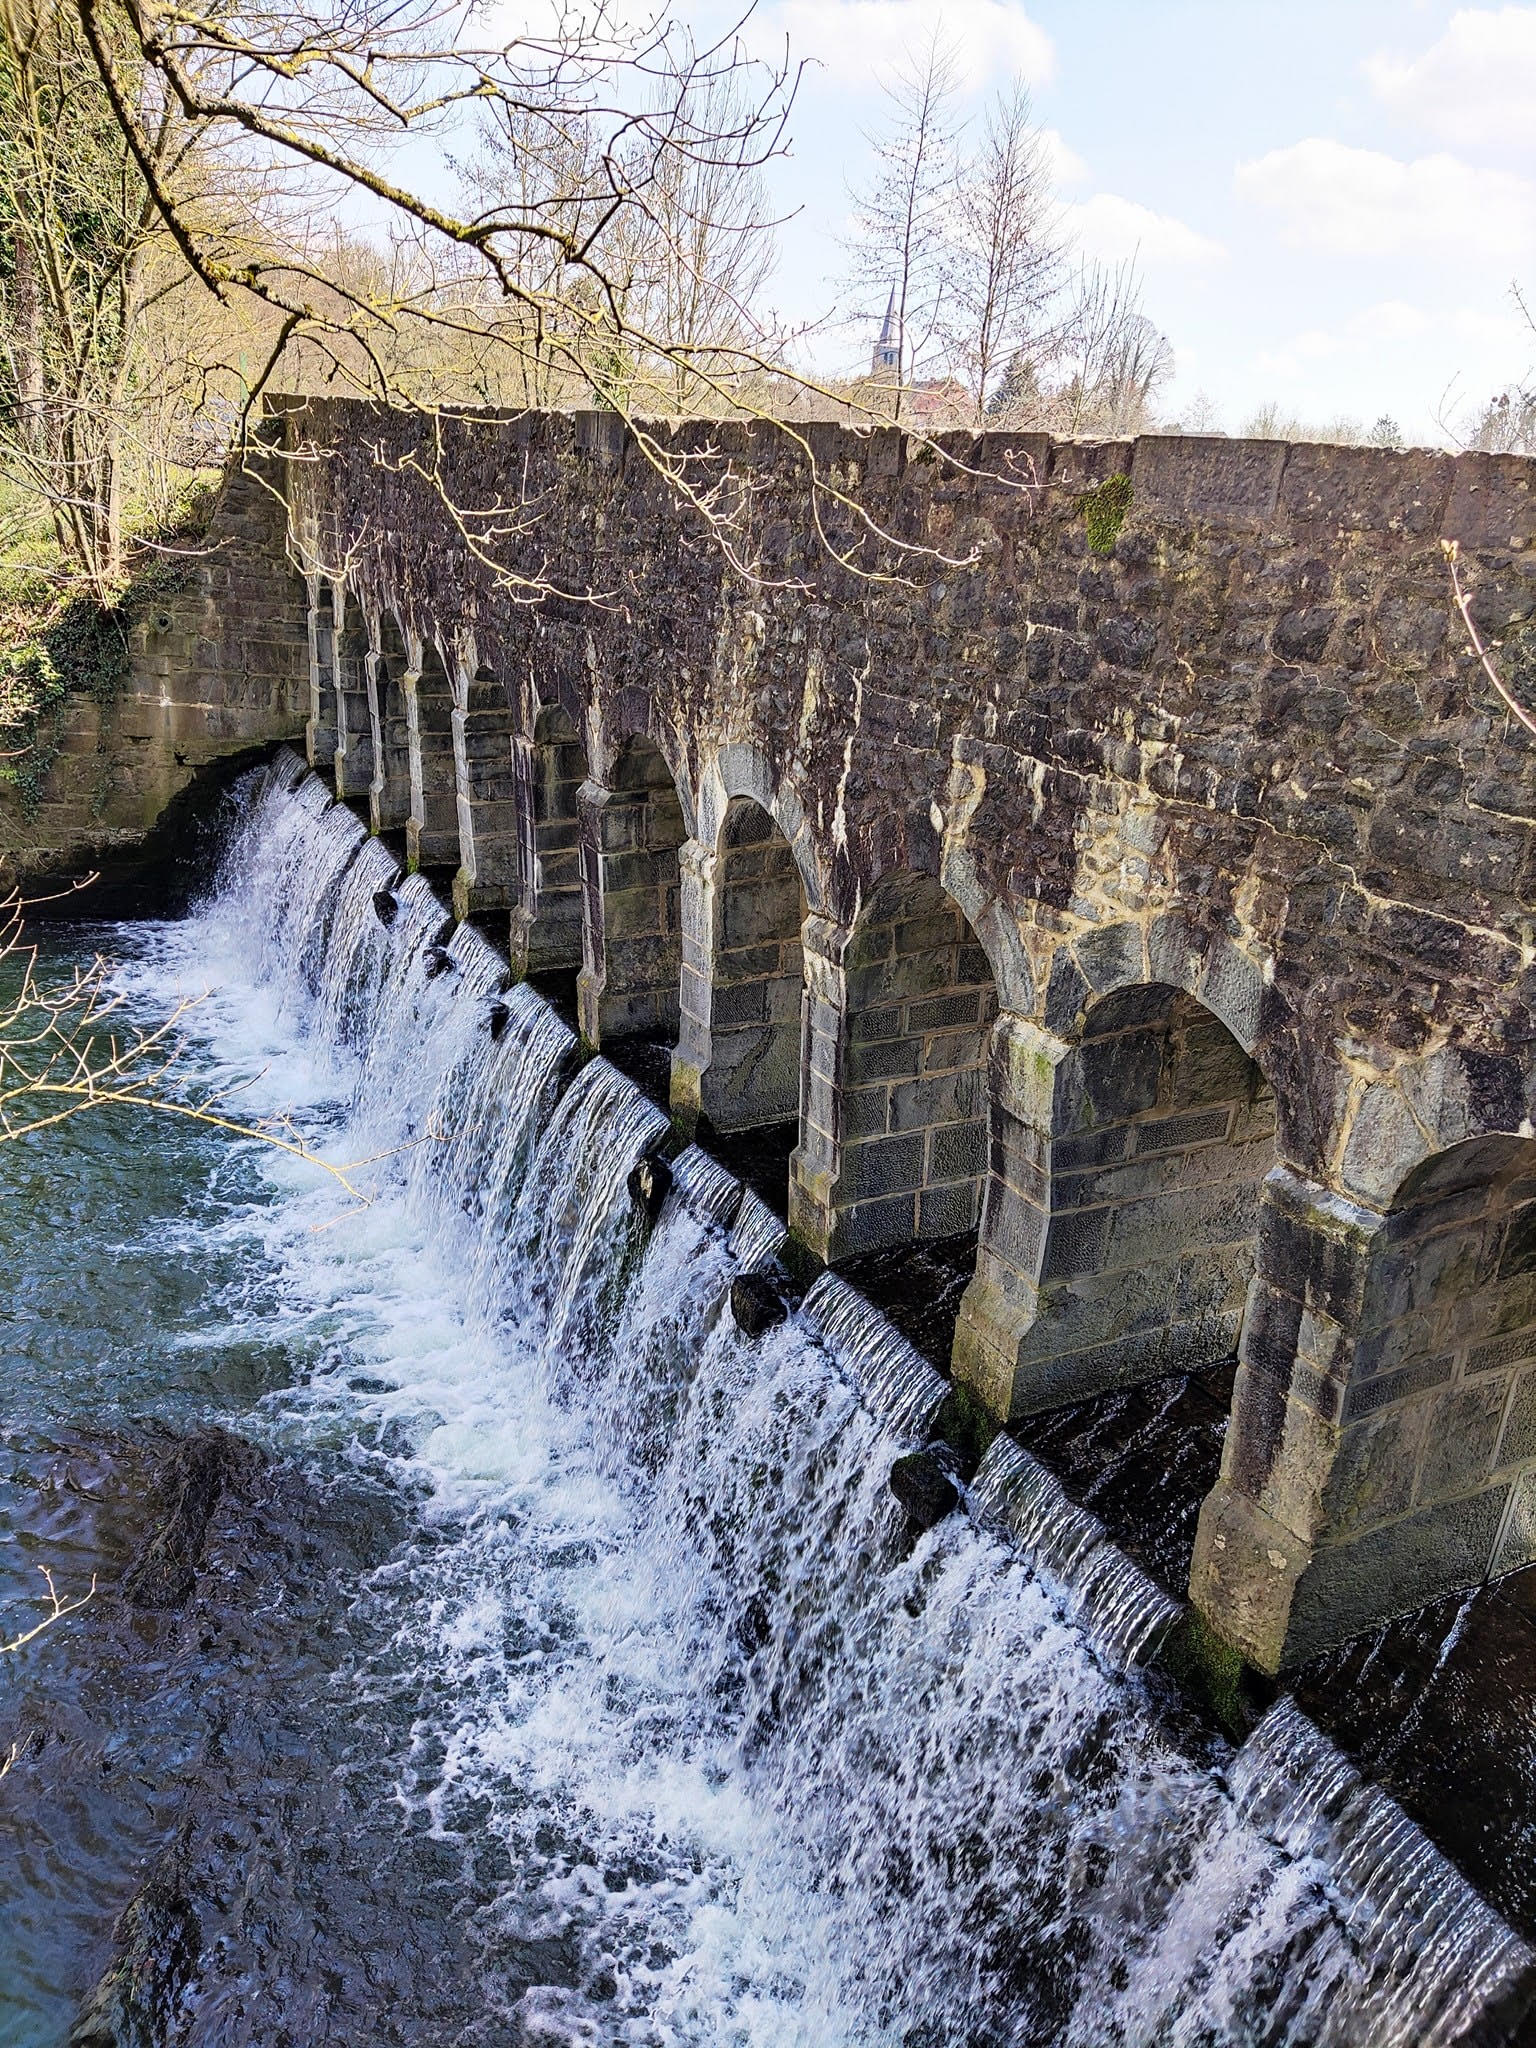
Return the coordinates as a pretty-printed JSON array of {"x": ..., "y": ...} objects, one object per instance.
[{"x": 560, "y": 1668}]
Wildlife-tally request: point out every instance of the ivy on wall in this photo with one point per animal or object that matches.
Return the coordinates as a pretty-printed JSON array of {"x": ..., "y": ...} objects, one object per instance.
[{"x": 72, "y": 646}]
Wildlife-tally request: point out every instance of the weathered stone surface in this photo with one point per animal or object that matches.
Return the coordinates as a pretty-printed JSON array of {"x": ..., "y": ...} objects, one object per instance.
[
  {"x": 219, "y": 670},
  {"x": 1240, "y": 777},
  {"x": 757, "y": 1304},
  {"x": 187, "y": 1489}
]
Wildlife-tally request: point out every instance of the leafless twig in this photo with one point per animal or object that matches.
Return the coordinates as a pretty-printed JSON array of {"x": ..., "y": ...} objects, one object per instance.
[{"x": 1490, "y": 668}]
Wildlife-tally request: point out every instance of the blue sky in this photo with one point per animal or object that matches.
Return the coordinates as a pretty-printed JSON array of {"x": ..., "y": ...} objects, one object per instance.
[{"x": 1330, "y": 201}]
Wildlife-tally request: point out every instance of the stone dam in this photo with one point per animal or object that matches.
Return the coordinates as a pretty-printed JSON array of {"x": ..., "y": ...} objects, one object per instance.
[{"x": 1147, "y": 896}]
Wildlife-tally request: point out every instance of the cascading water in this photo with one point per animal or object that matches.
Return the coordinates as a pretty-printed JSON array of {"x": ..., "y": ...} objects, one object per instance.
[{"x": 758, "y": 1766}]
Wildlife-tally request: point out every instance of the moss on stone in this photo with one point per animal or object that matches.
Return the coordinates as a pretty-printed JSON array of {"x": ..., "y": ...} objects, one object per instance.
[
  {"x": 71, "y": 645},
  {"x": 1104, "y": 511},
  {"x": 967, "y": 1425},
  {"x": 1209, "y": 1668}
]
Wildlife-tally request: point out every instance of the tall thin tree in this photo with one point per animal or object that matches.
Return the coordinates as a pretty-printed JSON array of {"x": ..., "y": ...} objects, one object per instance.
[
  {"x": 1005, "y": 261},
  {"x": 901, "y": 219}
]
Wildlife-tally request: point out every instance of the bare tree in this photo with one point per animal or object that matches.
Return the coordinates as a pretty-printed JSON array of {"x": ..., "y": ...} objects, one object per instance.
[
  {"x": 545, "y": 278},
  {"x": 900, "y": 254},
  {"x": 1112, "y": 360},
  {"x": 706, "y": 252},
  {"x": 1506, "y": 425},
  {"x": 1004, "y": 258},
  {"x": 100, "y": 316}
]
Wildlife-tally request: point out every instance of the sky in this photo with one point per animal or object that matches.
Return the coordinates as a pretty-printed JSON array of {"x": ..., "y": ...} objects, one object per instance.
[{"x": 1330, "y": 204}]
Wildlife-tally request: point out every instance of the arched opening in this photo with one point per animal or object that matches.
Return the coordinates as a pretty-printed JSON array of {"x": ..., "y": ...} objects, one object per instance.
[
  {"x": 631, "y": 886},
  {"x": 389, "y": 797},
  {"x": 354, "y": 715},
  {"x": 736, "y": 1071},
  {"x": 487, "y": 800},
  {"x": 559, "y": 768},
  {"x": 432, "y": 835},
  {"x": 1383, "y": 1442},
  {"x": 1438, "y": 1418},
  {"x": 1162, "y": 1129},
  {"x": 753, "y": 1076},
  {"x": 893, "y": 1137}
]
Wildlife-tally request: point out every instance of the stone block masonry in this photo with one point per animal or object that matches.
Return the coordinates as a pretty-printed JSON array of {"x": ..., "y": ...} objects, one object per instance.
[
  {"x": 894, "y": 1130},
  {"x": 1123, "y": 1201},
  {"x": 1163, "y": 912},
  {"x": 218, "y": 668},
  {"x": 738, "y": 1059}
]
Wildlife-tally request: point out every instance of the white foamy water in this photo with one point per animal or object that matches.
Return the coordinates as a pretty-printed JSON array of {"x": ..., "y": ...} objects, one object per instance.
[{"x": 761, "y": 1771}]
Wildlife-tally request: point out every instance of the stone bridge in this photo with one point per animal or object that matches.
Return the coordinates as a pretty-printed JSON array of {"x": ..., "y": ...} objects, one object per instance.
[{"x": 1146, "y": 888}]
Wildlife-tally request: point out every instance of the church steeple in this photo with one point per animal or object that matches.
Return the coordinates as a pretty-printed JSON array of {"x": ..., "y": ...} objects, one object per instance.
[{"x": 887, "y": 356}]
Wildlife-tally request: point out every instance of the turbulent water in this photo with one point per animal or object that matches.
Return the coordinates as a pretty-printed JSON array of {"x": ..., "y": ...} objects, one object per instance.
[{"x": 604, "y": 1688}]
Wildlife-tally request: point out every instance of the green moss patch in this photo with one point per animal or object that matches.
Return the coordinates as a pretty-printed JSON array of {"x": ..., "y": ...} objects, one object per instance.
[{"x": 1104, "y": 510}]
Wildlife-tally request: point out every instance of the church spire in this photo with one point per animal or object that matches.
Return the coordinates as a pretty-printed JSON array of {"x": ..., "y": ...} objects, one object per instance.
[{"x": 887, "y": 356}]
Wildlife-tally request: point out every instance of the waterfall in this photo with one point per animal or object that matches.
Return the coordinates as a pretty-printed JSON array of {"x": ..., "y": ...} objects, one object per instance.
[
  {"x": 760, "y": 1767},
  {"x": 895, "y": 1380},
  {"x": 1126, "y": 1614}
]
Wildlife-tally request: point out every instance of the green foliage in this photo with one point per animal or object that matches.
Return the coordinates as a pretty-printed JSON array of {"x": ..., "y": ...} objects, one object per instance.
[
  {"x": 80, "y": 648},
  {"x": 1104, "y": 510},
  {"x": 31, "y": 698},
  {"x": 71, "y": 645}
]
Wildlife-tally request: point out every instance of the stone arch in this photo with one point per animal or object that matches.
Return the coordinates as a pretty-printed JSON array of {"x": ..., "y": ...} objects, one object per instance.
[
  {"x": 1383, "y": 1445},
  {"x": 486, "y": 783},
  {"x": 1224, "y": 977},
  {"x": 738, "y": 1058},
  {"x": 389, "y": 794},
  {"x": 557, "y": 771},
  {"x": 741, "y": 770},
  {"x": 1117, "y": 1243},
  {"x": 432, "y": 835},
  {"x": 1423, "y": 1106},
  {"x": 631, "y": 833},
  {"x": 351, "y": 642},
  {"x": 893, "y": 1130}
]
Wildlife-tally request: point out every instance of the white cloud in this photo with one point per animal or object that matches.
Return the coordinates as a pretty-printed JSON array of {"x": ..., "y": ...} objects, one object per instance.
[
  {"x": 860, "y": 41},
  {"x": 1115, "y": 229},
  {"x": 1395, "y": 355},
  {"x": 1476, "y": 86},
  {"x": 1358, "y": 202},
  {"x": 1066, "y": 166}
]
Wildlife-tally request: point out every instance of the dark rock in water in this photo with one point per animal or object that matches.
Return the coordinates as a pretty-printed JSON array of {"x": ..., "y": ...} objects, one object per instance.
[
  {"x": 756, "y": 1304},
  {"x": 187, "y": 1489},
  {"x": 156, "y": 1943},
  {"x": 438, "y": 960},
  {"x": 924, "y": 1483},
  {"x": 386, "y": 906},
  {"x": 649, "y": 1185},
  {"x": 500, "y": 1018}
]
